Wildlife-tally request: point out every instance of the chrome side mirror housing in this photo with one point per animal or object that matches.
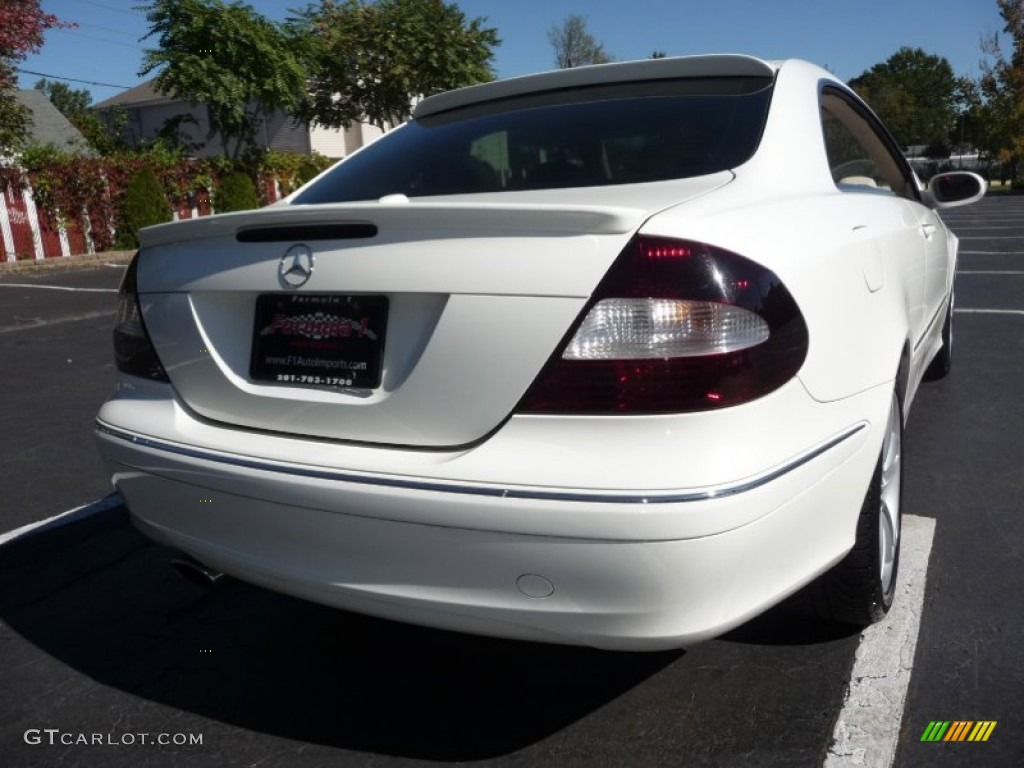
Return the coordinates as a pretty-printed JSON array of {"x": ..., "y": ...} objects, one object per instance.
[{"x": 953, "y": 189}]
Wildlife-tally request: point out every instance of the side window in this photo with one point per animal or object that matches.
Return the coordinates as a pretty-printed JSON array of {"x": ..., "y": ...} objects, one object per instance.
[
  {"x": 859, "y": 155},
  {"x": 848, "y": 160}
]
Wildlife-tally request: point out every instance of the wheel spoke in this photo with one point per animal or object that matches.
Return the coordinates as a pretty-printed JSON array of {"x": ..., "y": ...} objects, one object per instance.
[{"x": 889, "y": 504}]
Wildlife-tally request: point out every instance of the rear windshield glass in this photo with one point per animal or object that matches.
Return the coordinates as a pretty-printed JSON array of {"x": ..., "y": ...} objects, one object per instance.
[{"x": 618, "y": 134}]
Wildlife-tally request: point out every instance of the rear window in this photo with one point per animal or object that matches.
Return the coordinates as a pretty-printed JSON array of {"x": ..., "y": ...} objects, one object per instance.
[{"x": 612, "y": 134}]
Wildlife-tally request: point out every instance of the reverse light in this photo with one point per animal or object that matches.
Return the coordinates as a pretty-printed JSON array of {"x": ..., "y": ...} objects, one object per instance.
[
  {"x": 133, "y": 350},
  {"x": 674, "y": 326},
  {"x": 639, "y": 329}
]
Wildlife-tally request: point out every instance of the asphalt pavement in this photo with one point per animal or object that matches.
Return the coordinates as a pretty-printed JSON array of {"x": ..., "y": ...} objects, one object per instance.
[
  {"x": 965, "y": 453},
  {"x": 105, "y": 653},
  {"x": 56, "y": 369}
]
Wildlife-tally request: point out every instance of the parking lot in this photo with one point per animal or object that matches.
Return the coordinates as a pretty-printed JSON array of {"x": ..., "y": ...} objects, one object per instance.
[{"x": 108, "y": 658}]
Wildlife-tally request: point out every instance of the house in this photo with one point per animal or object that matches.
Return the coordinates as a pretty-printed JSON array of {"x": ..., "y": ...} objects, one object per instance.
[
  {"x": 48, "y": 126},
  {"x": 149, "y": 111}
]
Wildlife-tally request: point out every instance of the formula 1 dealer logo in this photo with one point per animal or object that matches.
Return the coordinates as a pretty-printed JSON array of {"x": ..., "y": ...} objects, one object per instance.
[
  {"x": 326, "y": 339},
  {"x": 318, "y": 326},
  {"x": 296, "y": 266}
]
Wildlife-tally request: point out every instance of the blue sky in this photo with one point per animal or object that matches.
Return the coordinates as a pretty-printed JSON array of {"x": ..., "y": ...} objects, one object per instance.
[{"x": 847, "y": 36}]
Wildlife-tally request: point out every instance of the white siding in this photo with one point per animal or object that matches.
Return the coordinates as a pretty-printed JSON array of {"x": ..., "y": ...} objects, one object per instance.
[
  {"x": 148, "y": 121},
  {"x": 279, "y": 131},
  {"x": 330, "y": 142}
]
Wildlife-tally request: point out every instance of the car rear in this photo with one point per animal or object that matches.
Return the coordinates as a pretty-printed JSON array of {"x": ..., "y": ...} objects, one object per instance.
[{"x": 464, "y": 380}]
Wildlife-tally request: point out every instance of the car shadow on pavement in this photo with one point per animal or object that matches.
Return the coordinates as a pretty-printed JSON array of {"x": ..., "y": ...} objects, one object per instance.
[
  {"x": 101, "y": 599},
  {"x": 790, "y": 624}
]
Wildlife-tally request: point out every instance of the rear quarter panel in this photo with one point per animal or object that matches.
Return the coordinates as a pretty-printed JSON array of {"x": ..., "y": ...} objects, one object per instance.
[{"x": 850, "y": 262}]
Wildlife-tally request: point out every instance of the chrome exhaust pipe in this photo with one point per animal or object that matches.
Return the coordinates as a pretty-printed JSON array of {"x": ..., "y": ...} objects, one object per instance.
[{"x": 194, "y": 571}]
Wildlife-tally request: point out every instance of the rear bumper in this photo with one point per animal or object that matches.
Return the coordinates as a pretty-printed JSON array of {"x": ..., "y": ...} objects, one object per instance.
[{"x": 626, "y": 570}]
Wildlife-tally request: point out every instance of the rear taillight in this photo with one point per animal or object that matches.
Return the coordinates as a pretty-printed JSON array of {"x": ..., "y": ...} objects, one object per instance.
[
  {"x": 133, "y": 351},
  {"x": 674, "y": 326}
]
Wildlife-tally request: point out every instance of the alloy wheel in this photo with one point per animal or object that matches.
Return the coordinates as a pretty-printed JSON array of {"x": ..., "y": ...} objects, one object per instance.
[{"x": 889, "y": 506}]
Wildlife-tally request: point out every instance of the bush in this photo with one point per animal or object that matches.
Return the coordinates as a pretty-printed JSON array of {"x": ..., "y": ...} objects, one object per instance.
[
  {"x": 236, "y": 193},
  {"x": 144, "y": 204},
  {"x": 308, "y": 171}
]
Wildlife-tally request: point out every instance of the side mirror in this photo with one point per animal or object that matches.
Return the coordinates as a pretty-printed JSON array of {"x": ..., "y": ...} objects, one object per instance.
[{"x": 949, "y": 190}]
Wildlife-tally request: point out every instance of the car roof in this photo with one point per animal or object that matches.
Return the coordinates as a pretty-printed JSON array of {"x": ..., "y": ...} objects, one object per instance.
[{"x": 719, "y": 65}]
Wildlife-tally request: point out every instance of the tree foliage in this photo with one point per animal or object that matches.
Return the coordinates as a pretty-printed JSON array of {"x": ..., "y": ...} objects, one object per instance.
[
  {"x": 999, "y": 108},
  {"x": 74, "y": 103},
  {"x": 915, "y": 93},
  {"x": 227, "y": 57},
  {"x": 373, "y": 61},
  {"x": 65, "y": 184},
  {"x": 144, "y": 204},
  {"x": 236, "y": 193},
  {"x": 575, "y": 46},
  {"x": 13, "y": 123},
  {"x": 22, "y": 25}
]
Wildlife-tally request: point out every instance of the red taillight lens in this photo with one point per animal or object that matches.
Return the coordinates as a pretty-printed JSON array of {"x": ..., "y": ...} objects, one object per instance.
[
  {"x": 133, "y": 351},
  {"x": 674, "y": 326}
]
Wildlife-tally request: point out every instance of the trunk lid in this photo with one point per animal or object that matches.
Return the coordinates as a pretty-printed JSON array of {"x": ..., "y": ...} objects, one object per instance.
[{"x": 463, "y": 302}]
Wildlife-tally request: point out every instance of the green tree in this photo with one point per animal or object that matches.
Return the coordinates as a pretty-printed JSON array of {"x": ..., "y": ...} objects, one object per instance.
[
  {"x": 1000, "y": 106},
  {"x": 575, "y": 46},
  {"x": 236, "y": 193},
  {"x": 73, "y": 103},
  {"x": 227, "y": 57},
  {"x": 13, "y": 123},
  {"x": 144, "y": 204},
  {"x": 916, "y": 94},
  {"x": 22, "y": 25},
  {"x": 373, "y": 61}
]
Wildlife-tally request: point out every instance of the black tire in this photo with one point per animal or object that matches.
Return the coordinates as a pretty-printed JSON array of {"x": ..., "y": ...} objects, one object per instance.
[
  {"x": 943, "y": 360},
  {"x": 859, "y": 590}
]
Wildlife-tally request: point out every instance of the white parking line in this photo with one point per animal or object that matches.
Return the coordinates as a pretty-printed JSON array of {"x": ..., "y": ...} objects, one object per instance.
[
  {"x": 963, "y": 228},
  {"x": 71, "y": 516},
  {"x": 989, "y": 311},
  {"x": 990, "y": 271},
  {"x": 867, "y": 732},
  {"x": 990, "y": 253},
  {"x": 57, "y": 288},
  {"x": 38, "y": 322}
]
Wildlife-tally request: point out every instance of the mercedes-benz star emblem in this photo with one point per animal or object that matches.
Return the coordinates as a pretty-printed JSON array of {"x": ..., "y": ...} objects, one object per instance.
[{"x": 296, "y": 265}]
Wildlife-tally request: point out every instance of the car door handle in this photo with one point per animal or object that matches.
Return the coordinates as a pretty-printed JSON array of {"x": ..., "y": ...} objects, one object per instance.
[{"x": 927, "y": 230}]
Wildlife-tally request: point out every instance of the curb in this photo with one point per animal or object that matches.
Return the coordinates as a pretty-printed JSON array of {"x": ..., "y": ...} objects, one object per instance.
[{"x": 84, "y": 261}]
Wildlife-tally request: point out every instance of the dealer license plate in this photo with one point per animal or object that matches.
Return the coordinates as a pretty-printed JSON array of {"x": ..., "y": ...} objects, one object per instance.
[{"x": 319, "y": 340}]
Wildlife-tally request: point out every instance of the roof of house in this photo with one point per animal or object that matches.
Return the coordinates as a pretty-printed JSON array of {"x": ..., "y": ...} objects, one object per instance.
[
  {"x": 141, "y": 95},
  {"x": 48, "y": 125}
]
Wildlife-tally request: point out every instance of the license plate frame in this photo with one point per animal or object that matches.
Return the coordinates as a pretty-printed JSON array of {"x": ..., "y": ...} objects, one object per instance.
[{"x": 326, "y": 341}]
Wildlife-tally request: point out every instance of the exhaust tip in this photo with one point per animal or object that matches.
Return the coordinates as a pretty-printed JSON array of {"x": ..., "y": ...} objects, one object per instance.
[{"x": 196, "y": 572}]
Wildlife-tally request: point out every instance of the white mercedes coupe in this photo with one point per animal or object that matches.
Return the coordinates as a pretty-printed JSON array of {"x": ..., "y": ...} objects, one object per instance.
[{"x": 617, "y": 356}]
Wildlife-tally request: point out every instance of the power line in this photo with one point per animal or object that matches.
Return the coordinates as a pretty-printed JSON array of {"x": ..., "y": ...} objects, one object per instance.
[
  {"x": 93, "y": 37},
  {"x": 72, "y": 79},
  {"x": 106, "y": 29},
  {"x": 110, "y": 8}
]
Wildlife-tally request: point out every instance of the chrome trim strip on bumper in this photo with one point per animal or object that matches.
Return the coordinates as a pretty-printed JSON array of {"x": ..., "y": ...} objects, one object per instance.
[{"x": 599, "y": 497}]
